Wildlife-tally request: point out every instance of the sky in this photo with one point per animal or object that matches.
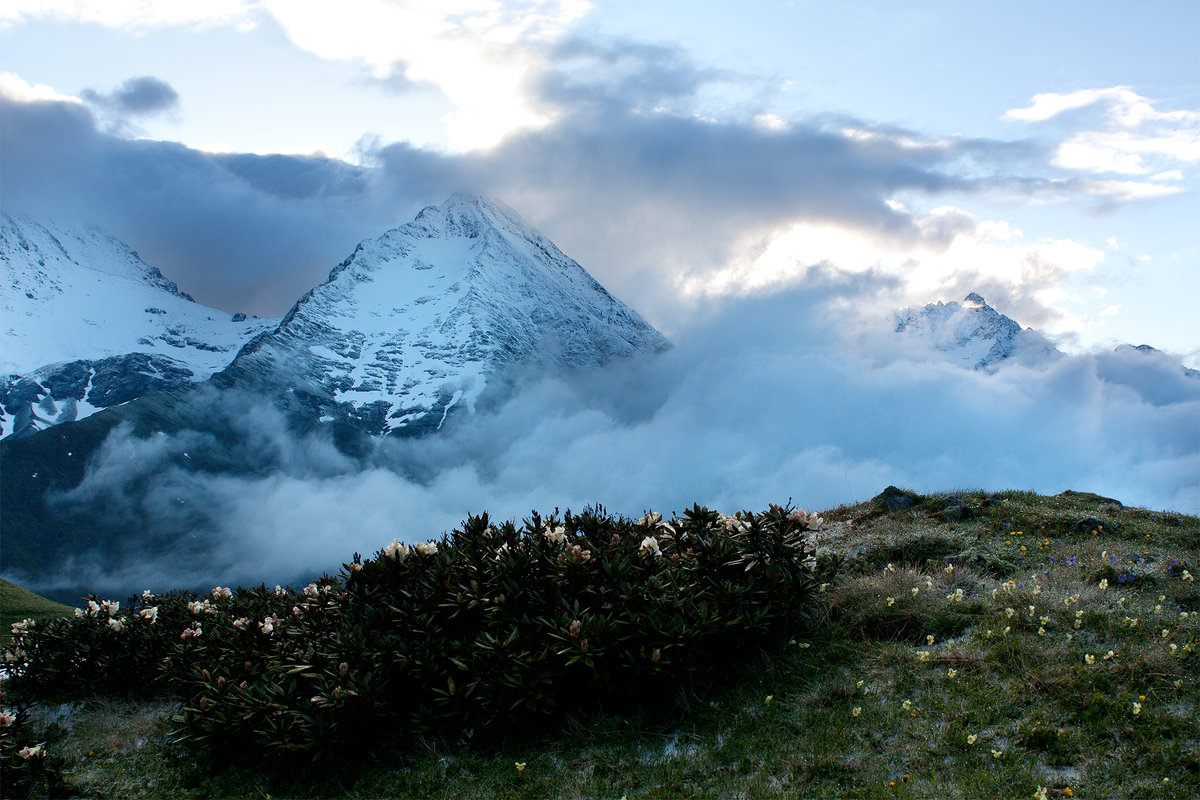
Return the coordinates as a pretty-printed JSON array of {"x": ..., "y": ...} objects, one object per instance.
[
  {"x": 765, "y": 182},
  {"x": 1043, "y": 154}
]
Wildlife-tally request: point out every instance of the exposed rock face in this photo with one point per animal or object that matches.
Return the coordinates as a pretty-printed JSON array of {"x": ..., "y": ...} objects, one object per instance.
[
  {"x": 416, "y": 324},
  {"x": 87, "y": 324},
  {"x": 975, "y": 334}
]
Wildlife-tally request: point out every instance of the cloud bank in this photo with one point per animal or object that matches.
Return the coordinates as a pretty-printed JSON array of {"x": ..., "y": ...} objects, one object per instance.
[{"x": 760, "y": 403}]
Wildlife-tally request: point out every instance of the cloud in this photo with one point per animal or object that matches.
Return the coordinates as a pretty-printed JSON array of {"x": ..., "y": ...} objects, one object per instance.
[
  {"x": 762, "y": 402},
  {"x": 1118, "y": 131},
  {"x": 136, "y": 96},
  {"x": 130, "y": 14}
]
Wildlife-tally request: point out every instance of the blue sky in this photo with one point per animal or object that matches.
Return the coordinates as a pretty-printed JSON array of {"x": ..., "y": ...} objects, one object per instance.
[{"x": 688, "y": 154}]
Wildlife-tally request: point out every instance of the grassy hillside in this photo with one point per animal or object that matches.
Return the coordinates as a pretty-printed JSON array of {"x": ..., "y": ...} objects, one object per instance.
[
  {"x": 17, "y": 603},
  {"x": 987, "y": 645}
]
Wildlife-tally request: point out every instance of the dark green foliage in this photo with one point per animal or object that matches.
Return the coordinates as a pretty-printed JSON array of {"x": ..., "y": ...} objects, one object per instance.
[
  {"x": 490, "y": 631},
  {"x": 26, "y": 768}
]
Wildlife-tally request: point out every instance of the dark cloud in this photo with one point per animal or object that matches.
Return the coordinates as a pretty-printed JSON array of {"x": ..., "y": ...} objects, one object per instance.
[{"x": 136, "y": 97}]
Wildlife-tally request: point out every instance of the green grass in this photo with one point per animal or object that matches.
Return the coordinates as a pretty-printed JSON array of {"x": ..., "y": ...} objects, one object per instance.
[
  {"x": 1017, "y": 680},
  {"x": 17, "y": 603}
]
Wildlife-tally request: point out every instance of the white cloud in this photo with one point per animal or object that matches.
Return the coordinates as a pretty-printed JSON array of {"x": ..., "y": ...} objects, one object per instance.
[
  {"x": 15, "y": 88},
  {"x": 478, "y": 53},
  {"x": 952, "y": 250},
  {"x": 1133, "y": 136},
  {"x": 474, "y": 51},
  {"x": 130, "y": 14}
]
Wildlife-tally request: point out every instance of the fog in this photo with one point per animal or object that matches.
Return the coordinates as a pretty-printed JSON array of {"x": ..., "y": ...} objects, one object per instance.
[{"x": 766, "y": 401}]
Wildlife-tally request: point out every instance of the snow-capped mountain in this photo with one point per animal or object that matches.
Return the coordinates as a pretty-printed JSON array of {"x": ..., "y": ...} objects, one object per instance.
[
  {"x": 422, "y": 320},
  {"x": 86, "y": 324},
  {"x": 975, "y": 335}
]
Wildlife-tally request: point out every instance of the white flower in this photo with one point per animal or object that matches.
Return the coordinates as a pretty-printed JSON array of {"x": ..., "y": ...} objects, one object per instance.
[
  {"x": 972, "y": 738},
  {"x": 1103, "y": 583},
  {"x": 1040, "y": 794},
  {"x": 222, "y": 593},
  {"x": 396, "y": 550},
  {"x": 241, "y": 622},
  {"x": 117, "y": 625},
  {"x": 557, "y": 535},
  {"x": 1187, "y": 576},
  {"x": 7, "y": 718},
  {"x": 653, "y": 518},
  {"x": 857, "y": 710},
  {"x": 1137, "y": 708},
  {"x": 150, "y": 613},
  {"x": 93, "y": 608},
  {"x": 907, "y": 705},
  {"x": 650, "y": 547},
  {"x": 311, "y": 590},
  {"x": 425, "y": 548},
  {"x": 279, "y": 590},
  {"x": 147, "y": 594},
  {"x": 79, "y": 613},
  {"x": 110, "y": 606},
  {"x": 20, "y": 627},
  {"x": 31, "y": 752},
  {"x": 267, "y": 625},
  {"x": 1089, "y": 659}
]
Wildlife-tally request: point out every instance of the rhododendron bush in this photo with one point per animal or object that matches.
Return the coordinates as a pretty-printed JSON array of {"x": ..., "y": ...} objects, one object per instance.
[{"x": 492, "y": 629}]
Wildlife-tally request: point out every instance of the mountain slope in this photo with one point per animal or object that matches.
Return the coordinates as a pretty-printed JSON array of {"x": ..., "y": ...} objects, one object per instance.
[
  {"x": 424, "y": 319},
  {"x": 87, "y": 324},
  {"x": 975, "y": 335}
]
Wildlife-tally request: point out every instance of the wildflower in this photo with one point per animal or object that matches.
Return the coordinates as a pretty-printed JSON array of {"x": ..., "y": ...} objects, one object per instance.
[
  {"x": 915, "y": 591},
  {"x": 923, "y": 655},
  {"x": 929, "y": 640},
  {"x": 191, "y": 633},
  {"x": 891, "y": 601},
  {"x": 1109, "y": 655},
  {"x": 928, "y": 582},
  {"x": 1089, "y": 659},
  {"x": 1041, "y": 631},
  {"x": 770, "y": 697},
  {"x": 520, "y": 765},
  {"x": 1157, "y": 609},
  {"x": 267, "y": 625},
  {"x": 241, "y": 622},
  {"x": 1187, "y": 576},
  {"x": 1174, "y": 647},
  {"x": 117, "y": 625},
  {"x": 222, "y": 593},
  {"x": 7, "y": 718},
  {"x": 822, "y": 587},
  {"x": 1103, "y": 583},
  {"x": 279, "y": 590},
  {"x": 558, "y": 534},
  {"x": 311, "y": 590},
  {"x": 1044, "y": 620},
  {"x": 997, "y": 754},
  {"x": 951, "y": 673},
  {"x": 858, "y": 685},
  {"x": 1137, "y": 708},
  {"x": 1007, "y": 628},
  {"x": 653, "y": 518},
  {"x": 949, "y": 568},
  {"x": 650, "y": 547},
  {"x": 907, "y": 705},
  {"x": 1068, "y": 792},
  {"x": 79, "y": 613},
  {"x": 110, "y": 606},
  {"x": 20, "y": 627},
  {"x": 972, "y": 739},
  {"x": 1040, "y": 794},
  {"x": 889, "y": 568},
  {"x": 394, "y": 550},
  {"x": 31, "y": 752},
  {"x": 857, "y": 710},
  {"x": 956, "y": 597},
  {"x": 150, "y": 614},
  {"x": 425, "y": 548},
  {"x": 1008, "y": 613}
]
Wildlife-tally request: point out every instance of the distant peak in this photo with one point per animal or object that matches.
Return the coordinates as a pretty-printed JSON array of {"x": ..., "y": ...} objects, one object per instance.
[{"x": 975, "y": 299}]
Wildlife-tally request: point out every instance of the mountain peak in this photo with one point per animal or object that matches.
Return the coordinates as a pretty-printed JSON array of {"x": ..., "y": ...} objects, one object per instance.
[
  {"x": 975, "y": 299},
  {"x": 425, "y": 317}
]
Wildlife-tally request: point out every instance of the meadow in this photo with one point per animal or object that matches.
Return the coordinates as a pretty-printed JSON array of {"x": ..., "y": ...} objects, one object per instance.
[{"x": 955, "y": 646}]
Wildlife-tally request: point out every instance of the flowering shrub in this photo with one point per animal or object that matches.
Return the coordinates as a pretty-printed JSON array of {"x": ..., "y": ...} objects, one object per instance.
[
  {"x": 494, "y": 628},
  {"x": 26, "y": 768}
]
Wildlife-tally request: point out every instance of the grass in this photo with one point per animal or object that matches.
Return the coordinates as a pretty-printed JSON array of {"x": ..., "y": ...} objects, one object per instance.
[
  {"x": 17, "y": 603},
  {"x": 1001, "y": 702}
]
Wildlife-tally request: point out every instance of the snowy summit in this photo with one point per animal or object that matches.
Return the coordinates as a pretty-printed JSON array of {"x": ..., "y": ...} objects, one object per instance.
[{"x": 422, "y": 320}]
